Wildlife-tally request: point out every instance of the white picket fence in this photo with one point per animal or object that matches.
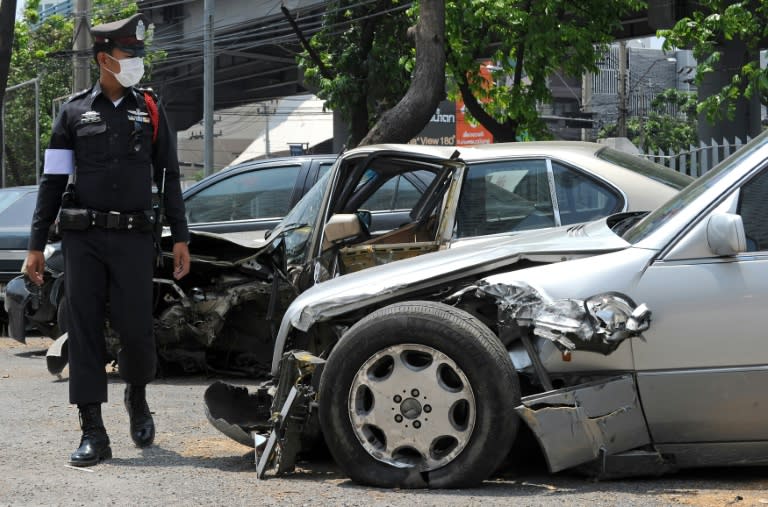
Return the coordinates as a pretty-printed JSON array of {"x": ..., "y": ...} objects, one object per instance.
[{"x": 696, "y": 160}]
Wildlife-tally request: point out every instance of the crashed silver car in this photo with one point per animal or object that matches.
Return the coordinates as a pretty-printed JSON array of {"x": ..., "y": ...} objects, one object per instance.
[
  {"x": 377, "y": 204},
  {"x": 631, "y": 345}
]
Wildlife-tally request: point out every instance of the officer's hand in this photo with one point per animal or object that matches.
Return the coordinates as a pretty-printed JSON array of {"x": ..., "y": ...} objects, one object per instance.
[
  {"x": 180, "y": 260},
  {"x": 33, "y": 266}
]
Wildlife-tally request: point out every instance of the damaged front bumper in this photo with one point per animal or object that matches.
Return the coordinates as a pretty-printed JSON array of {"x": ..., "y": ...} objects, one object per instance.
[
  {"x": 598, "y": 427},
  {"x": 278, "y": 420},
  {"x": 580, "y": 424},
  {"x": 592, "y": 425}
]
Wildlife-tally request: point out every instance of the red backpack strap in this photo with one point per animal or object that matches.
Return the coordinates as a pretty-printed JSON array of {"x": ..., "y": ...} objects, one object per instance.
[{"x": 154, "y": 115}]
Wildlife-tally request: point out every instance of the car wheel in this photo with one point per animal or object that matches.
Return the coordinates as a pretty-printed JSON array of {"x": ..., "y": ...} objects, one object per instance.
[{"x": 419, "y": 394}]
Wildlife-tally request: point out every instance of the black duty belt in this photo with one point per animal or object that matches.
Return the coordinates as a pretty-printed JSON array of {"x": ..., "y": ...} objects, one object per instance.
[
  {"x": 80, "y": 219},
  {"x": 120, "y": 221}
]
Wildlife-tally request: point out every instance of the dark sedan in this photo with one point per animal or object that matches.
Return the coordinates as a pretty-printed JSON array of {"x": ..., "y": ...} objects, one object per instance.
[{"x": 16, "y": 207}]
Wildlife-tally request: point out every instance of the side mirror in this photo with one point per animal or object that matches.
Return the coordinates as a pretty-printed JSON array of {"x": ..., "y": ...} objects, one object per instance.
[
  {"x": 725, "y": 234},
  {"x": 342, "y": 226}
]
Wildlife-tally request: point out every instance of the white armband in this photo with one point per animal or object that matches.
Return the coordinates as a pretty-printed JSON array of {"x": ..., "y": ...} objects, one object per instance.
[{"x": 59, "y": 161}]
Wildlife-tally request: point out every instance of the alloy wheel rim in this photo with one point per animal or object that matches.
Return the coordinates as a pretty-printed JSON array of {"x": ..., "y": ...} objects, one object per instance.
[{"x": 411, "y": 405}]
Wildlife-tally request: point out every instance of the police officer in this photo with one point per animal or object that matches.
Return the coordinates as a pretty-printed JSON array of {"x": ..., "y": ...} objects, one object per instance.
[{"x": 111, "y": 141}]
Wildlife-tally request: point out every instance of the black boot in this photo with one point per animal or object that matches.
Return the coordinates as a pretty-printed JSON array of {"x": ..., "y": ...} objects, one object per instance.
[
  {"x": 94, "y": 445},
  {"x": 142, "y": 425}
]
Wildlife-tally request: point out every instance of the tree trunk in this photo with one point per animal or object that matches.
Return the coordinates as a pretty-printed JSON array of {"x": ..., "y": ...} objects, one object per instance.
[
  {"x": 404, "y": 121},
  {"x": 7, "y": 23},
  {"x": 501, "y": 132}
]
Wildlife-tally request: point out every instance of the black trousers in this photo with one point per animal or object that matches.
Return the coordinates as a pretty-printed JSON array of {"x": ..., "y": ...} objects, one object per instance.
[{"x": 114, "y": 266}]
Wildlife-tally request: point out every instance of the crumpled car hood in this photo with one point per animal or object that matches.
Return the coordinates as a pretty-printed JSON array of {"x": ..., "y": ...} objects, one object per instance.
[
  {"x": 217, "y": 249},
  {"x": 357, "y": 290}
]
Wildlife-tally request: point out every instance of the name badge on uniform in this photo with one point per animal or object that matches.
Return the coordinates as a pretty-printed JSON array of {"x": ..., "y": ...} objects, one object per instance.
[
  {"x": 139, "y": 116},
  {"x": 90, "y": 117}
]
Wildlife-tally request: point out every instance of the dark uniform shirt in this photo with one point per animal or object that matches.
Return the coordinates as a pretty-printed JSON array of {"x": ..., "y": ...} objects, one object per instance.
[{"x": 114, "y": 161}]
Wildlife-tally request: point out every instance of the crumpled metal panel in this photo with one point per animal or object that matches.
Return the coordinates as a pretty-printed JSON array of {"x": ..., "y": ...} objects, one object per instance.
[
  {"x": 236, "y": 412},
  {"x": 202, "y": 315},
  {"x": 598, "y": 324},
  {"x": 578, "y": 424}
]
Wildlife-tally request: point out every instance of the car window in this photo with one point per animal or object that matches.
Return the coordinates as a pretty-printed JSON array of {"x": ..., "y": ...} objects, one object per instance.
[
  {"x": 395, "y": 193},
  {"x": 753, "y": 209},
  {"x": 17, "y": 213},
  {"x": 581, "y": 198},
  {"x": 261, "y": 193},
  {"x": 323, "y": 169},
  {"x": 503, "y": 197},
  {"x": 297, "y": 226}
]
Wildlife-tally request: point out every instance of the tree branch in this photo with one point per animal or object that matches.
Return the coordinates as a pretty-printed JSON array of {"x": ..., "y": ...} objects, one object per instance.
[{"x": 324, "y": 71}]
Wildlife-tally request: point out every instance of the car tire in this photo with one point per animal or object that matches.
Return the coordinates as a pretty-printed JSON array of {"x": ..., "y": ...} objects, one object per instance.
[{"x": 450, "y": 400}]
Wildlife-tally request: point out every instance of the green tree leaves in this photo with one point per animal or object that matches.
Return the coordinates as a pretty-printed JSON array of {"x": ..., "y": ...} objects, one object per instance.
[
  {"x": 716, "y": 22},
  {"x": 670, "y": 125},
  {"x": 371, "y": 59}
]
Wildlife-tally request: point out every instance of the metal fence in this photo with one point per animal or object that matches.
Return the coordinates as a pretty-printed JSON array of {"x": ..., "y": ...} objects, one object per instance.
[{"x": 696, "y": 160}]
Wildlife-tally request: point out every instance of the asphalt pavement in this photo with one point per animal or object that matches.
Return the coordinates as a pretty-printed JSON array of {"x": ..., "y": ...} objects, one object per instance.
[{"x": 191, "y": 463}]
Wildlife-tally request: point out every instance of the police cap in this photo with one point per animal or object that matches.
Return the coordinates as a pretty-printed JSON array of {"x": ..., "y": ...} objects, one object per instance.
[{"x": 126, "y": 34}]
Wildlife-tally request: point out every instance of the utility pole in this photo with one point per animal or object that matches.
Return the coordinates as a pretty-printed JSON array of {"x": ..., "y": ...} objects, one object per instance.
[
  {"x": 208, "y": 64},
  {"x": 586, "y": 101},
  {"x": 81, "y": 46},
  {"x": 265, "y": 111},
  {"x": 621, "y": 124}
]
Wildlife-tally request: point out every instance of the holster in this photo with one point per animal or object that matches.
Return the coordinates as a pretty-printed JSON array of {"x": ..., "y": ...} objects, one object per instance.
[
  {"x": 74, "y": 219},
  {"x": 68, "y": 201}
]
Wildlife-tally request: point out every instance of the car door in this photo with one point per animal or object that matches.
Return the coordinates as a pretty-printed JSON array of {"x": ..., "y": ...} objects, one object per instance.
[
  {"x": 405, "y": 197},
  {"x": 703, "y": 366}
]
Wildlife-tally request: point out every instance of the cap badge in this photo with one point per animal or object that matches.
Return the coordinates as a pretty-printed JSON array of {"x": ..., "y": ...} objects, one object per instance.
[{"x": 140, "y": 30}]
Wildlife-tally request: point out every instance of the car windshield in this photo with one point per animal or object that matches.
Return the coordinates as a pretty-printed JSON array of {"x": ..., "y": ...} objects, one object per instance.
[
  {"x": 645, "y": 167},
  {"x": 17, "y": 207},
  {"x": 296, "y": 226},
  {"x": 660, "y": 215},
  {"x": 9, "y": 196}
]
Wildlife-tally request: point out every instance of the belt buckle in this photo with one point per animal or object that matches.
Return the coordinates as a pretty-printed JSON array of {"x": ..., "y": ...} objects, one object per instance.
[{"x": 113, "y": 220}]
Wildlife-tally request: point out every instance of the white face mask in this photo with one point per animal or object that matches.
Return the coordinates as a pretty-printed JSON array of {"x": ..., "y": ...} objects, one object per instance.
[{"x": 131, "y": 70}]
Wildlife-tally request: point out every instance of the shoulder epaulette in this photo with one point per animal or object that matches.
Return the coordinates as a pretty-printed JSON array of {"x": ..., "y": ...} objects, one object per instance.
[{"x": 77, "y": 95}]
